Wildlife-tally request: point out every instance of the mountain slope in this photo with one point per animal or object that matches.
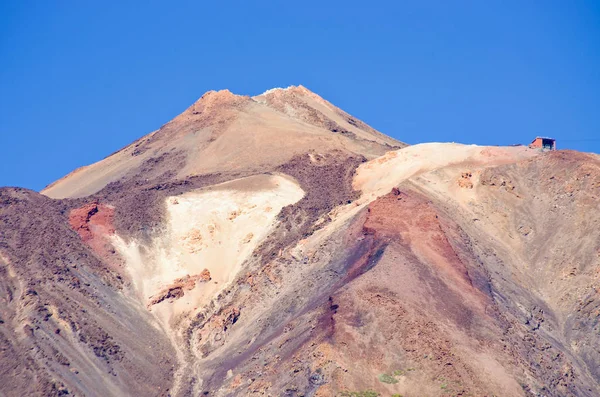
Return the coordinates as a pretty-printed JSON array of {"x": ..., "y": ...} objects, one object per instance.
[{"x": 275, "y": 245}]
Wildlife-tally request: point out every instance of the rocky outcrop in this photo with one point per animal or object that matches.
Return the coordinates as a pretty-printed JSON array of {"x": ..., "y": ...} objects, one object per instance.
[
  {"x": 177, "y": 289},
  {"x": 94, "y": 224},
  {"x": 465, "y": 180}
]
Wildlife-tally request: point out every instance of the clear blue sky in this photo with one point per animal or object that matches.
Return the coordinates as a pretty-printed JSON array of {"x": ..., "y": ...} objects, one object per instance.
[{"x": 81, "y": 79}]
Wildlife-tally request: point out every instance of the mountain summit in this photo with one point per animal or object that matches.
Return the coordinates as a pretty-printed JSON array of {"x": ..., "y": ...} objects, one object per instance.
[
  {"x": 276, "y": 245},
  {"x": 224, "y": 132}
]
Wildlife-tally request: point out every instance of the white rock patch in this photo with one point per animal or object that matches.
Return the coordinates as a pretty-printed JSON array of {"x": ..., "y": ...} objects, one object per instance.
[{"x": 215, "y": 229}]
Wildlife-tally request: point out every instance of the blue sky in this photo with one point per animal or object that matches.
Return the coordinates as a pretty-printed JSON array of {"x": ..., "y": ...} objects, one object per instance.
[{"x": 79, "y": 80}]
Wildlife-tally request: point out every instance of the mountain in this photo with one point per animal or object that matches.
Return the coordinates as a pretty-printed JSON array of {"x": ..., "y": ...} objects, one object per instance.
[{"x": 276, "y": 245}]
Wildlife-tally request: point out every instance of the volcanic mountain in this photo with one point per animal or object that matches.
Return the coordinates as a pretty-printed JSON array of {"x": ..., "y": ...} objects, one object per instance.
[{"x": 275, "y": 245}]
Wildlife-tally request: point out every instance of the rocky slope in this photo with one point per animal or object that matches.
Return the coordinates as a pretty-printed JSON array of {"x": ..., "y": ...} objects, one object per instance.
[{"x": 275, "y": 245}]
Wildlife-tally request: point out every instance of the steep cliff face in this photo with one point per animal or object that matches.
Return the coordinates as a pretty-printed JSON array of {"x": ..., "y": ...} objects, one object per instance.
[{"x": 276, "y": 245}]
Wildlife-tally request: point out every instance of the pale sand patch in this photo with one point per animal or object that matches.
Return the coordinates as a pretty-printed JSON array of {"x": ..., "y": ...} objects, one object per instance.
[
  {"x": 377, "y": 177},
  {"x": 202, "y": 234}
]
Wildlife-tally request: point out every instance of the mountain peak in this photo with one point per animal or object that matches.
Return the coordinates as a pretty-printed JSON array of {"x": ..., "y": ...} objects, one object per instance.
[
  {"x": 212, "y": 94},
  {"x": 213, "y": 98},
  {"x": 225, "y": 132},
  {"x": 292, "y": 88},
  {"x": 287, "y": 93},
  {"x": 278, "y": 94}
]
